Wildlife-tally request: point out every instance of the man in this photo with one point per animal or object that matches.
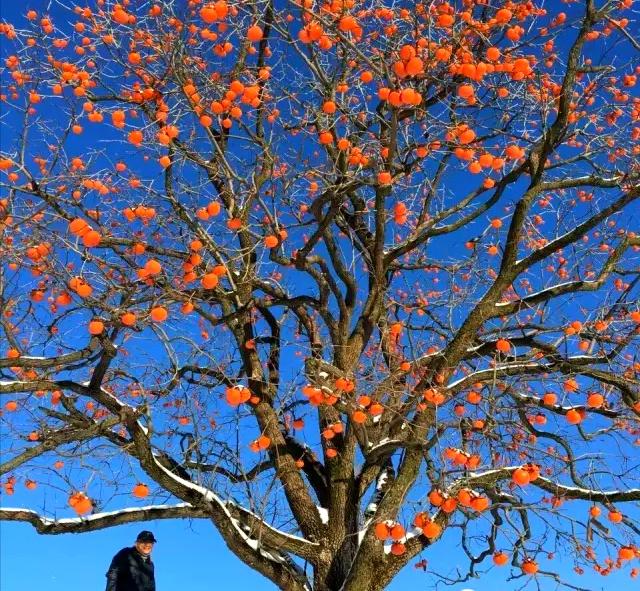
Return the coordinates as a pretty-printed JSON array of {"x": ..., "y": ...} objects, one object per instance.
[{"x": 131, "y": 569}]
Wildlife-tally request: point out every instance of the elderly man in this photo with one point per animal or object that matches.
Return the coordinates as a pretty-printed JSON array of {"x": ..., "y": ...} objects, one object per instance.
[{"x": 131, "y": 569}]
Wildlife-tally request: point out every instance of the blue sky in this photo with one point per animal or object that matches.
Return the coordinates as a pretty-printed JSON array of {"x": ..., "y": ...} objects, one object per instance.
[
  {"x": 194, "y": 558},
  {"x": 192, "y": 555}
]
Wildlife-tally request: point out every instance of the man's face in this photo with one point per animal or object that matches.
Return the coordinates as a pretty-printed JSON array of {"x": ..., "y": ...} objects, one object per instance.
[{"x": 144, "y": 547}]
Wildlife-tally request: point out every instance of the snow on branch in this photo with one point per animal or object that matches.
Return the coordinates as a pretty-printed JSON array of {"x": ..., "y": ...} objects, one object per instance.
[
  {"x": 32, "y": 361},
  {"x": 586, "y": 494},
  {"x": 46, "y": 525},
  {"x": 228, "y": 512},
  {"x": 490, "y": 477}
]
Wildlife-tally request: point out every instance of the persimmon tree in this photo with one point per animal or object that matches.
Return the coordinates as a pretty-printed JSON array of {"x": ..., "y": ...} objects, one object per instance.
[{"x": 349, "y": 280}]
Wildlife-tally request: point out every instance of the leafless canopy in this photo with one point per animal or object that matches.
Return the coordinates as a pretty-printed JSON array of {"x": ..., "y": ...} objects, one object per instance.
[{"x": 302, "y": 269}]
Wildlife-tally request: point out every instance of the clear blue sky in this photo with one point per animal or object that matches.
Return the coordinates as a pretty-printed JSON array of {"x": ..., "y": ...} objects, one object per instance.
[{"x": 193, "y": 557}]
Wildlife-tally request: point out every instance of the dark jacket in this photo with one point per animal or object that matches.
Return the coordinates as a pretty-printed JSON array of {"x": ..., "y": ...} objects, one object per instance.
[{"x": 129, "y": 571}]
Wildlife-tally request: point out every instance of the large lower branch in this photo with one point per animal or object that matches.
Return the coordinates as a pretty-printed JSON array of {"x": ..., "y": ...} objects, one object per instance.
[
  {"x": 76, "y": 525},
  {"x": 584, "y": 494}
]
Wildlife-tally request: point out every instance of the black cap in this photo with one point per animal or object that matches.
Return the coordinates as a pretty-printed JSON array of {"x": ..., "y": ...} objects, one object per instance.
[{"x": 146, "y": 536}]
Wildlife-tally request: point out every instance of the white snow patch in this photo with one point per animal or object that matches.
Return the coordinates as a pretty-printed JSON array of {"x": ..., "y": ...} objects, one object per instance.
[
  {"x": 94, "y": 516},
  {"x": 363, "y": 531},
  {"x": 413, "y": 533},
  {"x": 384, "y": 441},
  {"x": 470, "y": 377},
  {"x": 488, "y": 472},
  {"x": 324, "y": 514},
  {"x": 534, "y": 295}
]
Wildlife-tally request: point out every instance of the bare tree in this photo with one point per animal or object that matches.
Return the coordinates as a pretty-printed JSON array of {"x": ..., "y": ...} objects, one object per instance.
[{"x": 338, "y": 278}]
